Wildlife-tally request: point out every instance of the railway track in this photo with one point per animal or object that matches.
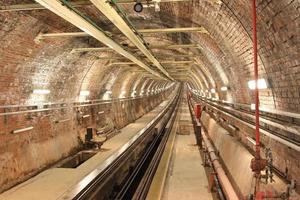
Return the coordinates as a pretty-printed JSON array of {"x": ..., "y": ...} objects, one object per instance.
[
  {"x": 244, "y": 118},
  {"x": 129, "y": 172}
]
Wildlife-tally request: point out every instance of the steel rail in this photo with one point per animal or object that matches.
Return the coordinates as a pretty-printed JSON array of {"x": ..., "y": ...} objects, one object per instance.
[
  {"x": 272, "y": 134},
  {"x": 89, "y": 185},
  {"x": 136, "y": 187},
  {"x": 142, "y": 191}
]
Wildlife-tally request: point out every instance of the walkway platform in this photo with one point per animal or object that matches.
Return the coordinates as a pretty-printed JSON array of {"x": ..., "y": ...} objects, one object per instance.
[
  {"x": 187, "y": 178},
  {"x": 180, "y": 174},
  {"x": 54, "y": 183}
]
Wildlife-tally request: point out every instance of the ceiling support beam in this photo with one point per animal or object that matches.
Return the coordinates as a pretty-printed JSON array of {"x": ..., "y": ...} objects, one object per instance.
[
  {"x": 43, "y": 36},
  {"x": 163, "y": 62},
  {"x": 106, "y": 8},
  {"x": 36, "y": 6},
  {"x": 176, "y": 46},
  {"x": 173, "y": 30},
  {"x": 79, "y": 21}
]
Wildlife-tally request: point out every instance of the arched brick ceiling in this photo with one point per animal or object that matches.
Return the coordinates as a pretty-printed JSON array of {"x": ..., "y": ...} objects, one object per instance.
[{"x": 224, "y": 57}]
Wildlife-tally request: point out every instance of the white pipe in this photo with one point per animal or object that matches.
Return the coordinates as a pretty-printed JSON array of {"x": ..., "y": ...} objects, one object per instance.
[{"x": 22, "y": 130}]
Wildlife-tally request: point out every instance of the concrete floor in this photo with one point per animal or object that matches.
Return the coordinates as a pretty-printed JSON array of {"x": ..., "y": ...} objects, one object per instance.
[{"x": 186, "y": 178}]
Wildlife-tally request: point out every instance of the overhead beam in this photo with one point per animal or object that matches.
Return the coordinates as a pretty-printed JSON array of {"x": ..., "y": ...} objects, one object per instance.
[
  {"x": 36, "y": 6},
  {"x": 106, "y": 8},
  {"x": 176, "y": 46},
  {"x": 43, "y": 36},
  {"x": 163, "y": 62},
  {"x": 73, "y": 17},
  {"x": 173, "y": 30}
]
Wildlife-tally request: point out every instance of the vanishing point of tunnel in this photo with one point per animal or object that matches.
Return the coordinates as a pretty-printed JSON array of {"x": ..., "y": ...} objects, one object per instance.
[{"x": 149, "y": 99}]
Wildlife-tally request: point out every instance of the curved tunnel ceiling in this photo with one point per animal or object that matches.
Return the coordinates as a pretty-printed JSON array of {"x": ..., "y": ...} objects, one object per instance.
[{"x": 222, "y": 55}]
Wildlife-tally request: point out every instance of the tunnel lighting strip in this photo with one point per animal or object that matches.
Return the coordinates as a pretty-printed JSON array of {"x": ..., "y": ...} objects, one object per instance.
[
  {"x": 71, "y": 16},
  {"x": 22, "y": 130},
  {"x": 85, "y": 116}
]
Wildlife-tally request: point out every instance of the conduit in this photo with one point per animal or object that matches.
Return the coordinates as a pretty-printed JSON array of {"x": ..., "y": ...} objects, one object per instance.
[
  {"x": 226, "y": 185},
  {"x": 223, "y": 179}
]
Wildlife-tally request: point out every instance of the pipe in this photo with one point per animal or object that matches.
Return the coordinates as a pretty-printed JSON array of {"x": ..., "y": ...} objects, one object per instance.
[
  {"x": 256, "y": 163},
  {"x": 222, "y": 177},
  {"x": 257, "y": 134},
  {"x": 224, "y": 181}
]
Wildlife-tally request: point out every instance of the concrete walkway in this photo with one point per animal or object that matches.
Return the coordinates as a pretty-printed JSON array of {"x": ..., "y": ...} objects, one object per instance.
[{"x": 186, "y": 179}]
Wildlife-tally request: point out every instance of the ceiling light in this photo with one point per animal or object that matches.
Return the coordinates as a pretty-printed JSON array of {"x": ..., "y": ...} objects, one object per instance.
[
  {"x": 138, "y": 7},
  {"x": 224, "y": 88},
  {"x": 41, "y": 91},
  {"x": 84, "y": 93},
  {"x": 261, "y": 84}
]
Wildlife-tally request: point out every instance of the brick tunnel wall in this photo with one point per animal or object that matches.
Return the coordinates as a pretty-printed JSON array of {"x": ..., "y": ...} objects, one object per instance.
[
  {"x": 224, "y": 57},
  {"x": 58, "y": 133}
]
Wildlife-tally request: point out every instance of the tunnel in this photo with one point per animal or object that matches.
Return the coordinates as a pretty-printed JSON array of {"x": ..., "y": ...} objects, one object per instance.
[{"x": 149, "y": 99}]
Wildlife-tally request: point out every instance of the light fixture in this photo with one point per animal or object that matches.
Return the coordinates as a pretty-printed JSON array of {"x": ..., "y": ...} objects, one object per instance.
[
  {"x": 41, "y": 91},
  {"x": 84, "y": 93},
  {"x": 138, "y": 7},
  {"x": 213, "y": 90},
  {"x": 224, "y": 88},
  {"x": 261, "y": 84}
]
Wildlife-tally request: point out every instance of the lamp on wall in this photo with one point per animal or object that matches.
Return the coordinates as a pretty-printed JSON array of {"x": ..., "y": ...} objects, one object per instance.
[
  {"x": 261, "y": 84},
  {"x": 84, "y": 93},
  {"x": 224, "y": 88},
  {"x": 41, "y": 91}
]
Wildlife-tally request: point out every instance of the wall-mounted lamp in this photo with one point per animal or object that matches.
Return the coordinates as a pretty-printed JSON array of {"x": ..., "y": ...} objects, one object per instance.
[
  {"x": 84, "y": 93},
  {"x": 41, "y": 91},
  {"x": 261, "y": 84},
  {"x": 85, "y": 116},
  {"x": 224, "y": 88}
]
